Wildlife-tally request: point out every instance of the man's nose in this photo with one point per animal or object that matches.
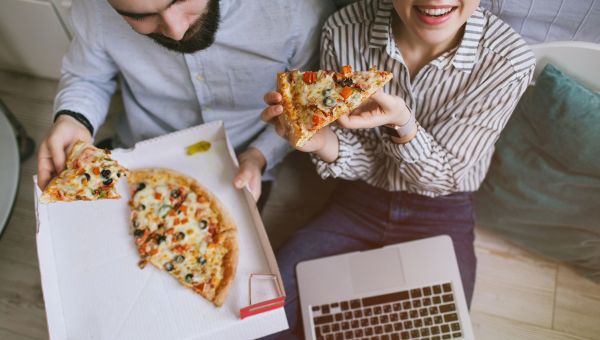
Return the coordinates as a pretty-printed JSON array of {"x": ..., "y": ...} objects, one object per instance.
[{"x": 174, "y": 24}]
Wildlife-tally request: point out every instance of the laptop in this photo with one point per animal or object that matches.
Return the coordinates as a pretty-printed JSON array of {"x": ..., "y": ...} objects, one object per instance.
[{"x": 408, "y": 290}]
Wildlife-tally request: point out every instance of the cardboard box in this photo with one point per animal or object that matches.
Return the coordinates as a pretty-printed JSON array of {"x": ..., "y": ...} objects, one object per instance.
[{"x": 93, "y": 288}]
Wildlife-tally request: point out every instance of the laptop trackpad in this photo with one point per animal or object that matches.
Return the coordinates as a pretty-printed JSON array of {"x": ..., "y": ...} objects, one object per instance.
[{"x": 376, "y": 269}]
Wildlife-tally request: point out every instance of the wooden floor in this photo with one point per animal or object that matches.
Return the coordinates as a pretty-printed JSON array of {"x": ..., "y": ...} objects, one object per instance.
[{"x": 517, "y": 296}]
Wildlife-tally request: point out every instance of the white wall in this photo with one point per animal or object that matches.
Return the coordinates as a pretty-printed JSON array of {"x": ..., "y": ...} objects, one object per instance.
[{"x": 33, "y": 38}]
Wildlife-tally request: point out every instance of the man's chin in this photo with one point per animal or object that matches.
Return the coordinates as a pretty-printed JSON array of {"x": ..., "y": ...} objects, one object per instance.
[{"x": 190, "y": 46}]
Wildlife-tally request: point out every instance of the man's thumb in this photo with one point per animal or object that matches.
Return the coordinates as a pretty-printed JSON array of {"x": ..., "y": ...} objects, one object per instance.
[{"x": 241, "y": 179}]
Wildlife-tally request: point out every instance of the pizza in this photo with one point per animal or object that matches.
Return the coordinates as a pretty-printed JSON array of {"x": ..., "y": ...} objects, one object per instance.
[
  {"x": 90, "y": 174},
  {"x": 181, "y": 228},
  {"x": 312, "y": 100}
]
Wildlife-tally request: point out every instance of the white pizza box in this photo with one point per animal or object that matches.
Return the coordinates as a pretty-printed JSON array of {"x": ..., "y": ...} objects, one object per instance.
[{"x": 93, "y": 288}]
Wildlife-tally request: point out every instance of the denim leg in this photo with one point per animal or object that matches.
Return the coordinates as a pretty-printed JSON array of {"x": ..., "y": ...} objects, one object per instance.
[
  {"x": 330, "y": 233},
  {"x": 420, "y": 217}
]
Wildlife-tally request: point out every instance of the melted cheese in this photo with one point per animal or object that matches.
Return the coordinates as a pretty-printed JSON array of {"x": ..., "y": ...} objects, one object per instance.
[{"x": 184, "y": 221}]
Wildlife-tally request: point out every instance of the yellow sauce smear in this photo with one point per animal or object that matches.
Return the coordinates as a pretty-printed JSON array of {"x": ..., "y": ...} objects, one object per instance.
[{"x": 201, "y": 146}]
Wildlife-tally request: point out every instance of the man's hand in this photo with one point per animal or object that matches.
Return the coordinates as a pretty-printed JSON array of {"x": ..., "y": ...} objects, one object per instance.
[
  {"x": 53, "y": 151},
  {"x": 252, "y": 163}
]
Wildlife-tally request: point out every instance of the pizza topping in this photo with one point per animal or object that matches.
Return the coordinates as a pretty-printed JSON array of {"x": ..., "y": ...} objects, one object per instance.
[
  {"x": 346, "y": 92},
  {"x": 168, "y": 266},
  {"x": 140, "y": 187},
  {"x": 105, "y": 173},
  {"x": 87, "y": 176},
  {"x": 179, "y": 259},
  {"x": 201, "y": 260},
  {"x": 309, "y": 77},
  {"x": 138, "y": 233},
  {"x": 176, "y": 193},
  {"x": 188, "y": 278},
  {"x": 346, "y": 69},
  {"x": 108, "y": 182},
  {"x": 329, "y": 102},
  {"x": 160, "y": 239},
  {"x": 179, "y": 236},
  {"x": 203, "y": 224},
  {"x": 345, "y": 82}
]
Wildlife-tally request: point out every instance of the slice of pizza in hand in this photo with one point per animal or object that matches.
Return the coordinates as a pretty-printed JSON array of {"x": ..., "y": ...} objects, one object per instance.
[
  {"x": 312, "y": 100},
  {"x": 90, "y": 174},
  {"x": 181, "y": 228}
]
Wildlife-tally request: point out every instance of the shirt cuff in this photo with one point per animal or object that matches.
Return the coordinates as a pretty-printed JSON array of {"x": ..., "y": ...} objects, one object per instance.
[
  {"x": 272, "y": 146},
  {"x": 347, "y": 143},
  {"x": 418, "y": 149}
]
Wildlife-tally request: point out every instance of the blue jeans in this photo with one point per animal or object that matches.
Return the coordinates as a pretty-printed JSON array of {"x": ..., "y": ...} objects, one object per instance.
[{"x": 362, "y": 217}]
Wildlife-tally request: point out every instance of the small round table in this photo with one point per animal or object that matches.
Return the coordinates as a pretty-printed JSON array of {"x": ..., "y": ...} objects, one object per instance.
[{"x": 9, "y": 169}]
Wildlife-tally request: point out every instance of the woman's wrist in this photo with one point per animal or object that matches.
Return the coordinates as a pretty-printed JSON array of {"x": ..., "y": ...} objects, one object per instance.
[
  {"x": 329, "y": 152},
  {"x": 403, "y": 129},
  {"x": 407, "y": 138}
]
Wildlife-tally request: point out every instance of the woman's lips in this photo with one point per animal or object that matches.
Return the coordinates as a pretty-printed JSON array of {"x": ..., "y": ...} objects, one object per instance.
[{"x": 434, "y": 15}]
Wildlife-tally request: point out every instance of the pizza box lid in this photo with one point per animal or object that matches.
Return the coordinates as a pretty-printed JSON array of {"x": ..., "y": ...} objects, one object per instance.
[{"x": 93, "y": 288}]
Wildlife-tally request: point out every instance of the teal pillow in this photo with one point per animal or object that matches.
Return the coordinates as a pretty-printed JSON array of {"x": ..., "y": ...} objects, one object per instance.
[{"x": 542, "y": 190}]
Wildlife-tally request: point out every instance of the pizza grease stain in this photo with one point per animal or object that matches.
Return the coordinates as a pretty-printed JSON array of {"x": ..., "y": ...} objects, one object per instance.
[{"x": 201, "y": 146}]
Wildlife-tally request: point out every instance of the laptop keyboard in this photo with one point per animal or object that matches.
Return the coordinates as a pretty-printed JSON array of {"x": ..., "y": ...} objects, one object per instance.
[{"x": 421, "y": 313}]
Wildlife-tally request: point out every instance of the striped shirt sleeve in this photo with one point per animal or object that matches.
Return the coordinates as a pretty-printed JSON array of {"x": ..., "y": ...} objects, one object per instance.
[{"x": 440, "y": 164}]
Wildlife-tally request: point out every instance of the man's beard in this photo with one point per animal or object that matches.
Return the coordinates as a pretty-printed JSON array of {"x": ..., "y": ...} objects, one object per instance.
[{"x": 199, "y": 36}]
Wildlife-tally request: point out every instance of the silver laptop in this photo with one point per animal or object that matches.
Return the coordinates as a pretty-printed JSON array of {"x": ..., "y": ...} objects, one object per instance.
[{"x": 409, "y": 290}]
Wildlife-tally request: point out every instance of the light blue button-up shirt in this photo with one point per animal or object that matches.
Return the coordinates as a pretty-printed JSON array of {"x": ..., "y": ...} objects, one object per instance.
[{"x": 164, "y": 91}]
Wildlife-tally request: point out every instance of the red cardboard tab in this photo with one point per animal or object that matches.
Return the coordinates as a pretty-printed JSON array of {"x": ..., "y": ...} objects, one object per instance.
[{"x": 262, "y": 307}]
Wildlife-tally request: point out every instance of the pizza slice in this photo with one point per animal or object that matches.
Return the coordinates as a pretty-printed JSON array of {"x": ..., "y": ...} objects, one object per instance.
[
  {"x": 181, "y": 228},
  {"x": 90, "y": 174},
  {"x": 312, "y": 100}
]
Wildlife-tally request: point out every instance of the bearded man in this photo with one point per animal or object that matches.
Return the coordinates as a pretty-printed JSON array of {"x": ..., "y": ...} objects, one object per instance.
[{"x": 180, "y": 63}]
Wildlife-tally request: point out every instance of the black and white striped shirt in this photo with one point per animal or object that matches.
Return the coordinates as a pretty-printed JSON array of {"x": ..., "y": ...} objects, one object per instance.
[{"x": 461, "y": 100}]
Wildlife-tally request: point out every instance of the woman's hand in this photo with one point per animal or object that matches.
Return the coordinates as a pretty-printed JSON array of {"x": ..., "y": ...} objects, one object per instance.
[{"x": 380, "y": 109}]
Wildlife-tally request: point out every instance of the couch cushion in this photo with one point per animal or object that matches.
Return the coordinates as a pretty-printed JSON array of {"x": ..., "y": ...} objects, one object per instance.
[{"x": 543, "y": 187}]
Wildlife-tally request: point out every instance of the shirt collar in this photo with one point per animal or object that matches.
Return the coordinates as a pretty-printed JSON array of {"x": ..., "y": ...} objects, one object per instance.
[
  {"x": 462, "y": 57},
  {"x": 380, "y": 35}
]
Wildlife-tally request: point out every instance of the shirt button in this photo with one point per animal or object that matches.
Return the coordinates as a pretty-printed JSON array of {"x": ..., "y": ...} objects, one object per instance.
[{"x": 199, "y": 78}]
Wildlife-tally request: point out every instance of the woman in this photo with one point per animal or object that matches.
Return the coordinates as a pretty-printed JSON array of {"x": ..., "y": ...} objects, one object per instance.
[{"x": 414, "y": 153}]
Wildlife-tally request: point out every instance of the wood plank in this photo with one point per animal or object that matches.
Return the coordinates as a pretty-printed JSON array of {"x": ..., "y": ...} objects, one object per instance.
[
  {"x": 21, "y": 302},
  {"x": 514, "y": 287},
  {"x": 491, "y": 327},
  {"x": 5, "y": 334},
  {"x": 577, "y": 304}
]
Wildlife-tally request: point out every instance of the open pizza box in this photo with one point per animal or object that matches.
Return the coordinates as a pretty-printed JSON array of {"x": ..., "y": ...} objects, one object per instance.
[{"x": 93, "y": 288}]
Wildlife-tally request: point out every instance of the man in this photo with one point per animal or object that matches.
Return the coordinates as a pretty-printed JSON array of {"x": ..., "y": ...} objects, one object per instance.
[{"x": 180, "y": 63}]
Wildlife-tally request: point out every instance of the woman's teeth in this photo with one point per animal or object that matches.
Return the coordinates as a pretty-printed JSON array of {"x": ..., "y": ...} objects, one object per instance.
[{"x": 435, "y": 12}]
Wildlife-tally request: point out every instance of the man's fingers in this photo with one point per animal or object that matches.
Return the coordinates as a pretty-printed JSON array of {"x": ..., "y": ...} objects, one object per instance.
[
  {"x": 57, "y": 153},
  {"x": 242, "y": 178},
  {"x": 45, "y": 166},
  {"x": 271, "y": 112},
  {"x": 272, "y": 98}
]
